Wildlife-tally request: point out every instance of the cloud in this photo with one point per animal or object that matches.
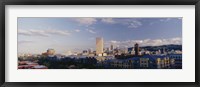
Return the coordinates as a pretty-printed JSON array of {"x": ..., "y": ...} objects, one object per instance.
[
  {"x": 108, "y": 20},
  {"x": 130, "y": 23},
  {"x": 23, "y": 32},
  {"x": 43, "y": 33},
  {"x": 77, "y": 30},
  {"x": 134, "y": 24},
  {"x": 58, "y": 32},
  {"x": 86, "y": 21},
  {"x": 91, "y": 31},
  {"x": 24, "y": 42},
  {"x": 145, "y": 42},
  {"x": 38, "y": 33},
  {"x": 165, "y": 19},
  {"x": 180, "y": 18}
]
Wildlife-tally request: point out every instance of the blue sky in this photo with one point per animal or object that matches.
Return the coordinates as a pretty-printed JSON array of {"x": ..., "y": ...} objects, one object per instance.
[{"x": 36, "y": 35}]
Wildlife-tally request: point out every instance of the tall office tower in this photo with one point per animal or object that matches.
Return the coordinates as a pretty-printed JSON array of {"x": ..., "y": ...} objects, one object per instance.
[
  {"x": 111, "y": 47},
  {"x": 99, "y": 45},
  {"x": 136, "y": 48}
]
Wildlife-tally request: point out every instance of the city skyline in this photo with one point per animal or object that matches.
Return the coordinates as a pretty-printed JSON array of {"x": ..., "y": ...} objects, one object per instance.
[{"x": 35, "y": 35}]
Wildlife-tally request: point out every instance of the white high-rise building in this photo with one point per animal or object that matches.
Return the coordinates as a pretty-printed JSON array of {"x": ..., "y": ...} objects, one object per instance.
[{"x": 99, "y": 45}]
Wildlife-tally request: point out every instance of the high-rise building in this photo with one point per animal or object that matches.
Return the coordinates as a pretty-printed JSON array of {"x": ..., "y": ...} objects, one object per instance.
[
  {"x": 99, "y": 45},
  {"x": 111, "y": 47},
  {"x": 136, "y": 48}
]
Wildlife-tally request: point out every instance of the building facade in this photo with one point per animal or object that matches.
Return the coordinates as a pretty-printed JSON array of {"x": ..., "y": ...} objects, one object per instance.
[
  {"x": 99, "y": 45},
  {"x": 136, "y": 48}
]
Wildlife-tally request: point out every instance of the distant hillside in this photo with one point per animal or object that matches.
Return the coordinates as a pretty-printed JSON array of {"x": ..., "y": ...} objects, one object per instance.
[{"x": 166, "y": 47}]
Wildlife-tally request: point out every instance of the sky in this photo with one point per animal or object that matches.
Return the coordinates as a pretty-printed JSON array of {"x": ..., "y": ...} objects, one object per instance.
[{"x": 36, "y": 35}]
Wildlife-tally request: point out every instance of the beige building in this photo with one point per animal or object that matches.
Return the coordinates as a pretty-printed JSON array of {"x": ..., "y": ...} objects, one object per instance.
[
  {"x": 99, "y": 45},
  {"x": 50, "y": 52},
  {"x": 144, "y": 62}
]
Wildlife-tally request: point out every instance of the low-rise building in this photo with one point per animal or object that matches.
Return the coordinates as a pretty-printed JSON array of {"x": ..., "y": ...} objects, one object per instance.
[
  {"x": 142, "y": 62},
  {"x": 177, "y": 60}
]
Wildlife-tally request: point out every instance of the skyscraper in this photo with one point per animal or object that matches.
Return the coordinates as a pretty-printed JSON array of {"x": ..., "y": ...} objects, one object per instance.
[
  {"x": 99, "y": 45},
  {"x": 111, "y": 47},
  {"x": 136, "y": 48}
]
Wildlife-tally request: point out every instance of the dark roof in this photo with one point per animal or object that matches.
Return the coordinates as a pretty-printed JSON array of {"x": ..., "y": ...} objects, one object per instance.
[
  {"x": 154, "y": 57},
  {"x": 174, "y": 54},
  {"x": 151, "y": 57}
]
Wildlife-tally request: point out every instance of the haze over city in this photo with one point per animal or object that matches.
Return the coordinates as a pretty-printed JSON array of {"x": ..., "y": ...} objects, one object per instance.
[{"x": 36, "y": 35}]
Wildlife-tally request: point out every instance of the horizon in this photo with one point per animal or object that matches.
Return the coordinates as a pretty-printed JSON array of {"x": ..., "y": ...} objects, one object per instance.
[
  {"x": 36, "y": 35},
  {"x": 104, "y": 47}
]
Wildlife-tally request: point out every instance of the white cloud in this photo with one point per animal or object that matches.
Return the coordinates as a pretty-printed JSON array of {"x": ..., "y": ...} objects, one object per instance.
[
  {"x": 165, "y": 19},
  {"x": 114, "y": 42},
  {"x": 134, "y": 24},
  {"x": 180, "y": 18},
  {"x": 57, "y": 32},
  {"x": 130, "y": 23},
  {"x": 77, "y": 30},
  {"x": 86, "y": 21},
  {"x": 91, "y": 31},
  {"x": 146, "y": 42},
  {"x": 38, "y": 33},
  {"x": 24, "y": 42},
  {"x": 108, "y": 20},
  {"x": 44, "y": 33},
  {"x": 23, "y": 32},
  {"x": 162, "y": 20}
]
